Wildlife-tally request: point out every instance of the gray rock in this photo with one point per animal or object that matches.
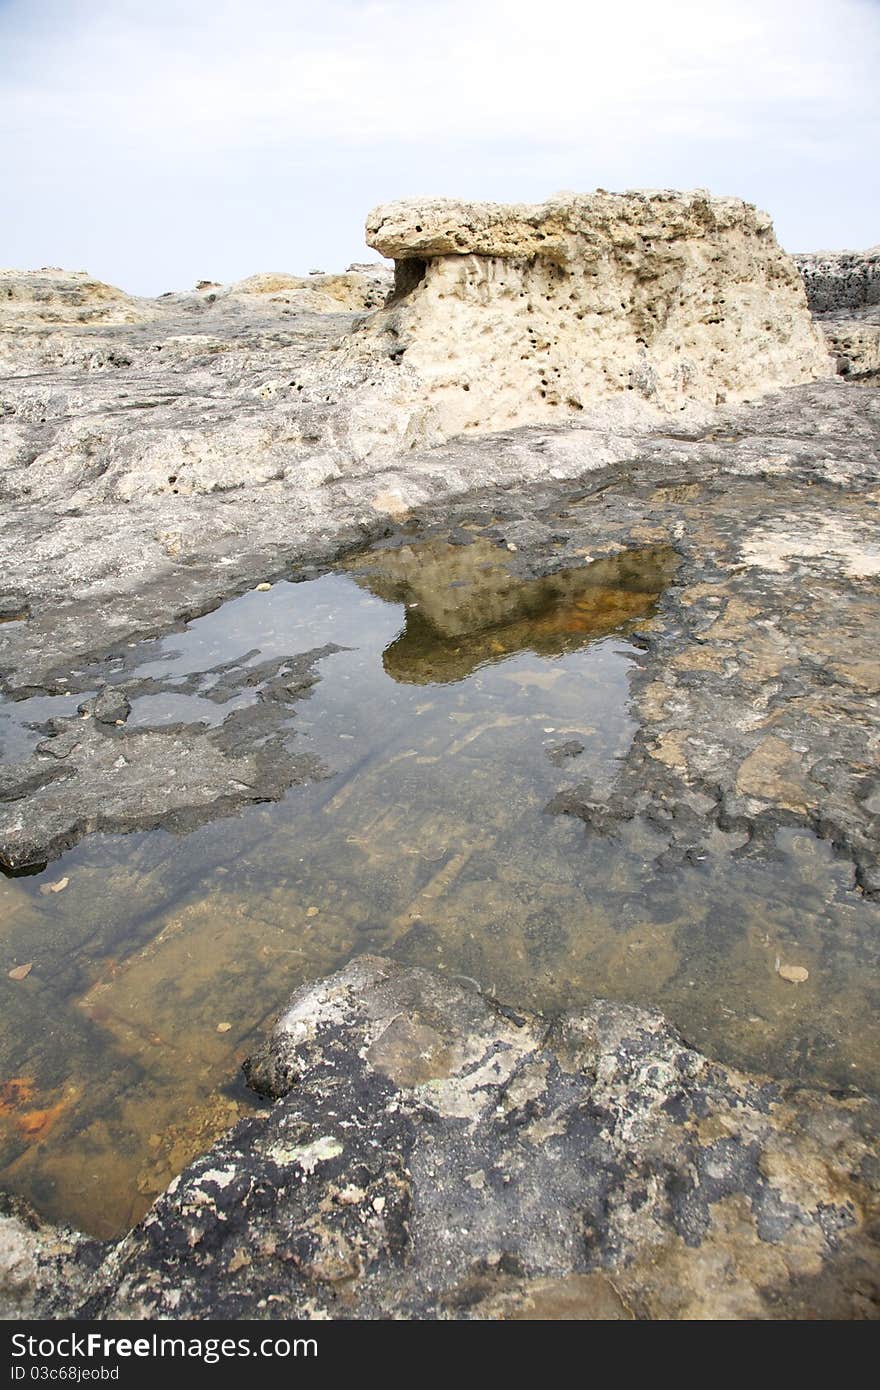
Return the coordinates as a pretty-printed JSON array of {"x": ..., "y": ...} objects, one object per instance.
[
  {"x": 843, "y": 291},
  {"x": 13, "y": 608},
  {"x": 432, "y": 1154},
  {"x": 60, "y": 745},
  {"x": 560, "y": 754},
  {"x": 177, "y": 776},
  {"x": 110, "y": 706},
  {"x": 840, "y": 281}
]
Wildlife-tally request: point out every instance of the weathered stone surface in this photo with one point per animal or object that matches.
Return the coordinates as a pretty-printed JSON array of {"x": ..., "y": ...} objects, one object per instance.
[
  {"x": 110, "y": 706},
  {"x": 43, "y": 1268},
  {"x": 360, "y": 288},
  {"x": 207, "y": 392},
  {"x": 514, "y": 314},
  {"x": 843, "y": 289},
  {"x": 434, "y": 1154},
  {"x": 152, "y": 466},
  {"x": 560, "y": 229},
  {"x": 855, "y": 345},
  {"x": 769, "y": 629},
  {"x": 31, "y": 298},
  {"x": 840, "y": 281},
  {"x": 91, "y": 775}
]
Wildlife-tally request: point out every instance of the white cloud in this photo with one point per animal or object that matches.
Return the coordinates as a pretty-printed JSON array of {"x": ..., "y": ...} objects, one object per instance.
[{"x": 227, "y": 133}]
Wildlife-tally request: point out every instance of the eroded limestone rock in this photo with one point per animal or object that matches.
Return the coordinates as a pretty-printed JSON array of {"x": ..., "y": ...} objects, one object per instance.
[
  {"x": 515, "y": 314},
  {"x": 37, "y": 298},
  {"x": 609, "y": 310},
  {"x": 843, "y": 289},
  {"x": 839, "y": 281},
  {"x": 357, "y": 290}
]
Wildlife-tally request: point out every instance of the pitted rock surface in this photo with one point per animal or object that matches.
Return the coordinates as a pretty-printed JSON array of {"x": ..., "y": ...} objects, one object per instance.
[
  {"x": 514, "y": 314},
  {"x": 843, "y": 290}
]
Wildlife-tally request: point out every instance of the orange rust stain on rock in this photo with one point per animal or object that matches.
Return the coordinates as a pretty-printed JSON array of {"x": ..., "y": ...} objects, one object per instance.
[
  {"x": 35, "y": 1124},
  {"x": 15, "y": 1093},
  {"x": 16, "y": 1096}
]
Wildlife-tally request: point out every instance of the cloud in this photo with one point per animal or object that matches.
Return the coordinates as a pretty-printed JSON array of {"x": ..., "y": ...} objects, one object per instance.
[{"x": 224, "y": 133}]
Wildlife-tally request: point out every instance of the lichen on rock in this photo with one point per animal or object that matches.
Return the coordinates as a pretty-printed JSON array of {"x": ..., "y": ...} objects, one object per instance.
[{"x": 433, "y": 1154}]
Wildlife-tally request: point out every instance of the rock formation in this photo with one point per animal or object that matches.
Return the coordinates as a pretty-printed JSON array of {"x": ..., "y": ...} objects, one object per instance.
[
  {"x": 359, "y": 289},
  {"x": 433, "y": 1154},
  {"x": 42, "y": 298},
  {"x": 843, "y": 289},
  {"x": 605, "y": 310},
  {"x": 515, "y": 314},
  {"x": 159, "y": 456},
  {"x": 838, "y": 281}
]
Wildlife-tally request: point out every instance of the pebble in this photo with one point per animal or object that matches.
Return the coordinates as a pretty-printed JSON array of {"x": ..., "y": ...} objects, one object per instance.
[
  {"x": 263, "y": 588},
  {"x": 795, "y": 974},
  {"x": 21, "y": 972},
  {"x": 56, "y": 887},
  {"x": 223, "y": 1027}
]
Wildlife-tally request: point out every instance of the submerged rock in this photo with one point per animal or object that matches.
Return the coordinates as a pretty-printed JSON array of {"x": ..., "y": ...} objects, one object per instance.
[
  {"x": 434, "y": 1154},
  {"x": 96, "y": 773}
]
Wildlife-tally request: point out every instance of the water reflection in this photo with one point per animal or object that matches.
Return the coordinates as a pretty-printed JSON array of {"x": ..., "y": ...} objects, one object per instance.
[
  {"x": 465, "y": 608},
  {"x": 159, "y": 963}
]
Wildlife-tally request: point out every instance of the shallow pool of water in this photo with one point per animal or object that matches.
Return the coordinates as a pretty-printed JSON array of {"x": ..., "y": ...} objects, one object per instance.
[{"x": 461, "y": 702}]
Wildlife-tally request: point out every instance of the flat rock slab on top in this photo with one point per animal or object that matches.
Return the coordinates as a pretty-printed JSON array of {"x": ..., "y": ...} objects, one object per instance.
[
  {"x": 514, "y": 314},
  {"x": 555, "y": 229}
]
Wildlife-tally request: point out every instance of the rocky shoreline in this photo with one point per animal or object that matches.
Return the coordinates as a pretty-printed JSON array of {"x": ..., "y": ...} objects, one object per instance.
[
  {"x": 746, "y": 698},
  {"x": 432, "y": 1153}
]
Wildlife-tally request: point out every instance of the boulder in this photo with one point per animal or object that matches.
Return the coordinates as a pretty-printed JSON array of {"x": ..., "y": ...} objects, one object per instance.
[
  {"x": 517, "y": 314},
  {"x": 432, "y": 1153}
]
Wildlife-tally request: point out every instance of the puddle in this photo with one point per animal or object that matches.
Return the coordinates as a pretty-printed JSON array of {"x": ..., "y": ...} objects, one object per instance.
[
  {"x": 459, "y": 702},
  {"x": 22, "y": 723}
]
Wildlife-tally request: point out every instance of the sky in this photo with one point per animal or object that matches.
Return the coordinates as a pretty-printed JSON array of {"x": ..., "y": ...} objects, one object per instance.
[{"x": 162, "y": 142}]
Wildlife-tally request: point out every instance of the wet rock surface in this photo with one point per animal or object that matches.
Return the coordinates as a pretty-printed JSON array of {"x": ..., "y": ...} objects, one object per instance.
[
  {"x": 93, "y": 774},
  {"x": 757, "y": 698},
  {"x": 161, "y": 458},
  {"x": 433, "y": 1153}
]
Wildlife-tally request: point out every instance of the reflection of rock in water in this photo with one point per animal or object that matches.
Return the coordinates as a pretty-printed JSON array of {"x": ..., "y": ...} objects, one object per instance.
[{"x": 468, "y": 609}]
